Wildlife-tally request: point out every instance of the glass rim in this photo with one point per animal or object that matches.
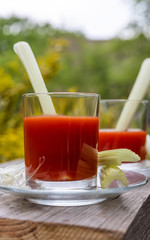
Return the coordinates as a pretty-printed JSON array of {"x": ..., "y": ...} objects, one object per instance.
[
  {"x": 75, "y": 94},
  {"x": 125, "y": 100}
]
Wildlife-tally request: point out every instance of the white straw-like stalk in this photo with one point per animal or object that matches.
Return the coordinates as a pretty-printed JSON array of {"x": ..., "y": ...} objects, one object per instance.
[
  {"x": 139, "y": 90},
  {"x": 23, "y": 50}
]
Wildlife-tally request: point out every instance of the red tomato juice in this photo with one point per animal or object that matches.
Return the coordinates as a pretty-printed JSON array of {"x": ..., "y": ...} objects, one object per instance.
[
  {"x": 53, "y": 146},
  {"x": 134, "y": 140}
]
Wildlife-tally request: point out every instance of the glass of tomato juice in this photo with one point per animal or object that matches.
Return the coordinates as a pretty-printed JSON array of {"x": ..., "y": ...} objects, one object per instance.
[
  {"x": 133, "y": 137},
  {"x": 61, "y": 149}
]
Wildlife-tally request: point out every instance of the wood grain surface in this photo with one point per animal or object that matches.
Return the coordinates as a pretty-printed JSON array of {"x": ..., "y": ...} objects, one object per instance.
[
  {"x": 124, "y": 217},
  {"x": 17, "y": 229},
  {"x": 140, "y": 226}
]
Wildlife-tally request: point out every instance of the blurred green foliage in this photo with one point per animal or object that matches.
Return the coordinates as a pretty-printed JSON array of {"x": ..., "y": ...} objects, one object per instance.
[{"x": 68, "y": 62}]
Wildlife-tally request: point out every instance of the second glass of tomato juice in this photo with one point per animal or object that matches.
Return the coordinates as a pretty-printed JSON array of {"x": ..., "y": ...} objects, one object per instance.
[
  {"x": 133, "y": 137},
  {"x": 61, "y": 149}
]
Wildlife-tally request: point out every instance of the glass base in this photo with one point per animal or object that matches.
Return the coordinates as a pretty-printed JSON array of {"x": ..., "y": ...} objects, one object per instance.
[
  {"x": 66, "y": 185},
  {"x": 65, "y": 202},
  {"x": 142, "y": 167},
  {"x": 78, "y": 197}
]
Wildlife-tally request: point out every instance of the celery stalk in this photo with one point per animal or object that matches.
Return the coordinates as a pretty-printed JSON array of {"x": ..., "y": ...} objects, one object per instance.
[
  {"x": 116, "y": 157},
  {"x": 111, "y": 173}
]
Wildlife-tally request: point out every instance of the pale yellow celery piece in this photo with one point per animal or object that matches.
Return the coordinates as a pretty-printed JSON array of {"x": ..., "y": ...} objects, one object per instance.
[
  {"x": 117, "y": 156},
  {"x": 89, "y": 154},
  {"x": 111, "y": 173},
  {"x": 139, "y": 90},
  {"x": 23, "y": 50},
  {"x": 87, "y": 164}
]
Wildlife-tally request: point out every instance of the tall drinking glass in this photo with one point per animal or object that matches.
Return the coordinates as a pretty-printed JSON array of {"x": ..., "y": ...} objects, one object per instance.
[{"x": 61, "y": 148}]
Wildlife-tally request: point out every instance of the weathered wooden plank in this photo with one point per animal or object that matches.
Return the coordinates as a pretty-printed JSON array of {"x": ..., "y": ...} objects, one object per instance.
[
  {"x": 17, "y": 229},
  {"x": 140, "y": 227}
]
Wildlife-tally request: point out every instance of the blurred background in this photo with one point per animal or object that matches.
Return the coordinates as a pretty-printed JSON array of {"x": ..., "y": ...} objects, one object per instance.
[{"x": 87, "y": 46}]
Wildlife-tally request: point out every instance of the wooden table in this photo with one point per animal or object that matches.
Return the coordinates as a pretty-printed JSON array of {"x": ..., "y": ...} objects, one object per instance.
[{"x": 124, "y": 217}]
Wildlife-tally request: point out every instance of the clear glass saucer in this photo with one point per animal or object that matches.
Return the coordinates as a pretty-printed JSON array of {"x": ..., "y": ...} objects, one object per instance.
[
  {"x": 78, "y": 197},
  {"x": 142, "y": 167}
]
